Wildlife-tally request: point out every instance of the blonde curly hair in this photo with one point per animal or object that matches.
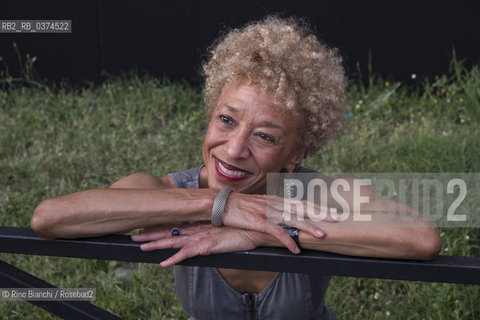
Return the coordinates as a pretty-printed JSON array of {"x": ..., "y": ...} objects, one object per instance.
[{"x": 285, "y": 59}]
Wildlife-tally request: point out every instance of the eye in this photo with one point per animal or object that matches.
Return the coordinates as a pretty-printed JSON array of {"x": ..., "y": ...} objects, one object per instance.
[
  {"x": 266, "y": 137},
  {"x": 225, "y": 119}
]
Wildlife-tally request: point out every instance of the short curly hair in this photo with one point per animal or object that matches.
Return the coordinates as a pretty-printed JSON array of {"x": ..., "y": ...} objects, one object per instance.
[{"x": 283, "y": 58}]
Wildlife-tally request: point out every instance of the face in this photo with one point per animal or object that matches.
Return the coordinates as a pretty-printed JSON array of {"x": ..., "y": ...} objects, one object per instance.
[{"x": 248, "y": 137}]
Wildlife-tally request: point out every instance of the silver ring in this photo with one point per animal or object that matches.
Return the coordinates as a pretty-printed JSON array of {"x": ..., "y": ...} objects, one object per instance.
[
  {"x": 291, "y": 213},
  {"x": 175, "y": 232},
  {"x": 276, "y": 207}
]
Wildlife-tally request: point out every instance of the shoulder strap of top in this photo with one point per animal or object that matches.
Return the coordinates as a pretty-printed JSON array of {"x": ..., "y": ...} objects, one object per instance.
[{"x": 187, "y": 179}]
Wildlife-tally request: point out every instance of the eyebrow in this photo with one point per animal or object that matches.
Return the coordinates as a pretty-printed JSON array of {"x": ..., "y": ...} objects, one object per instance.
[
  {"x": 265, "y": 123},
  {"x": 233, "y": 109},
  {"x": 272, "y": 125}
]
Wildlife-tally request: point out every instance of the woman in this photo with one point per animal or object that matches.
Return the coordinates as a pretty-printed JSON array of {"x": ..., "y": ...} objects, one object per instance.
[{"x": 274, "y": 96}]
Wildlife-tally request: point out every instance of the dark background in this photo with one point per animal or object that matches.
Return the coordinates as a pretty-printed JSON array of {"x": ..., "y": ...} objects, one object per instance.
[{"x": 171, "y": 37}]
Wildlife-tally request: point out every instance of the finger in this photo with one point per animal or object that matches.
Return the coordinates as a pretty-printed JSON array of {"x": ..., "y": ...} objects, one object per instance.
[
  {"x": 165, "y": 231},
  {"x": 167, "y": 243},
  {"x": 283, "y": 237},
  {"x": 285, "y": 209},
  {"x": 326, "y": 214},
  {"x": 156, "y": 227},
  {"x": 307, "y": 227},
  {"x": 271, "y": 227},
  {"x": 184, "y": 253},
  {"x": 316, "y": 212},
  {"x": 332, "y": 215},
  {"x": 151, "y": 235}
]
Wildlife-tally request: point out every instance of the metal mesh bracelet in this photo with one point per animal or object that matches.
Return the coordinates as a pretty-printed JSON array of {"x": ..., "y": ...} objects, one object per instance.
[{"x": 219, "y": 206}]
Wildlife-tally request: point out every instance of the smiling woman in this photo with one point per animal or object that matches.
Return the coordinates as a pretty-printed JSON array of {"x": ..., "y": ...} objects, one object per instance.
[
  {"x": 274, "y": 95},
  {"x": 245, "y": 133}
]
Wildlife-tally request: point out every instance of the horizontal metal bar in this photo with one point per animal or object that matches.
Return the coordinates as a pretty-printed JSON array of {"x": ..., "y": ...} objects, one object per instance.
[
  {"x": 450, "y": 269},
  {"x": 12, "y": 277}
]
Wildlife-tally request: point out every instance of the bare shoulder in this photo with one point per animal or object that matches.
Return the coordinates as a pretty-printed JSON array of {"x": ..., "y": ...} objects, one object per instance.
[{"x": 142, "y": 180}]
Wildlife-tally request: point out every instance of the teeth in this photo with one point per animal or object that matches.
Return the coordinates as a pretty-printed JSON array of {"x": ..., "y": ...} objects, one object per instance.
[{"x": 231, "y": 172}]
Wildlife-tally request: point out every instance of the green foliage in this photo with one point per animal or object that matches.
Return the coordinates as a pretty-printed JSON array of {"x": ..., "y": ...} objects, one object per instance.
[
  {"x": 60, "y": 140},
  {"x": 27, "y": 72}
]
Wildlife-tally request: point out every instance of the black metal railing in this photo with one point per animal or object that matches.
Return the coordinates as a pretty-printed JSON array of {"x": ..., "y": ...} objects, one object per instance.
[{"x": 450, "y": 269}]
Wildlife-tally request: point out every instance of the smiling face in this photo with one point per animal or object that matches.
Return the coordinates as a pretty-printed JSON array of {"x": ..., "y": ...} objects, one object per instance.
[{"x": 247, "y": 137}]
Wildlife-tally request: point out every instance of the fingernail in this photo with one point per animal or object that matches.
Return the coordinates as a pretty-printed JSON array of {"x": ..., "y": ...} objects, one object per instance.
[
  {"x": 144, "y": 246},
  {"x": 162, "y": 264},
  {"x": 320, "y": 233},
  {"x": 135, "y": 236},
  {"x": 297, "y": 250},
  {"x": 333, "y": 213}
]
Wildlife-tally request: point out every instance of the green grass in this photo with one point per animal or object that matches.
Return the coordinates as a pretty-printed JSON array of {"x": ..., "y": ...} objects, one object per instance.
[{"x": 59, "y": 140}]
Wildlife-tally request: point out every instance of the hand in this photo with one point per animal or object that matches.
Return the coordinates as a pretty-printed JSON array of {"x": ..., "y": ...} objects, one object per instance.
[
  {"x": 262, "y": 213},
  {"x": 197, "y": 239}
]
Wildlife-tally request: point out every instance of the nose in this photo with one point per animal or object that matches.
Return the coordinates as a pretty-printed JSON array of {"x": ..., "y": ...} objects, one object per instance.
[{"x": 237, "y": 145}]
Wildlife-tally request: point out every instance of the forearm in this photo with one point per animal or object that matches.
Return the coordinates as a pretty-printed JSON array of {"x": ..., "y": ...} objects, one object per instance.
[
  {"x": 383, "y": 228},
  {"x": 397, "y": 238},
  {"x": 400, "y": 242},
  {"x": 104, "y": 211}
]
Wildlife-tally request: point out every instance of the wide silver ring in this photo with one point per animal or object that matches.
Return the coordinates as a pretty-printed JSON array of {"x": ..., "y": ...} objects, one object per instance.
[{"x": 219, "y": 206}]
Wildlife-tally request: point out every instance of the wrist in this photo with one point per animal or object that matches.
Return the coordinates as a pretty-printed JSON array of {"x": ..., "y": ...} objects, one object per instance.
[
  {"x": 197, "y": 205},
  {"x": 210, "y": 200}
]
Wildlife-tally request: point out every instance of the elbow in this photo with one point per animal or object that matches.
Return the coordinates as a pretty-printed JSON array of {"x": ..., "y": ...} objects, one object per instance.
[
  {"x": 431, "y": 245},
  {"x": 42, "y": 221},
  {"x": 435, "y": 248}
]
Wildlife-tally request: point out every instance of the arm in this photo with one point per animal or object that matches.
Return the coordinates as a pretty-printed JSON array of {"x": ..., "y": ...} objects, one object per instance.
[
  {"x": 139, "y": 200},
  {"x": 390, "y": 229},
  {"x": 142, "y": 201},
  {"x": 396, "y": 242},
  {"x": 402, "y": 233},
  {"x": 399, "y": 237}
]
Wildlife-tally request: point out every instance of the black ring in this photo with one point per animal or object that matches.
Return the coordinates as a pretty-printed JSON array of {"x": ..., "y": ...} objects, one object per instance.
[
  {"x": 292, "y": 232},
  {"x": 175, "y": 232}
]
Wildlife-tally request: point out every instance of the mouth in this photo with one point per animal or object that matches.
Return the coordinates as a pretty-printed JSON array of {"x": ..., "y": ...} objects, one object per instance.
[{"x": 230, "y": 172}]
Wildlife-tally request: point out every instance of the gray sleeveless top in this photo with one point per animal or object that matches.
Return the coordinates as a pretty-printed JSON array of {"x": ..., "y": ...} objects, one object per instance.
[{"x": 205, "y": 295}]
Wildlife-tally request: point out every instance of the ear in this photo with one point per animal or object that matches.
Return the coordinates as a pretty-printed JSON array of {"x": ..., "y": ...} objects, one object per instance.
[{"x": 295, "y": 160}]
